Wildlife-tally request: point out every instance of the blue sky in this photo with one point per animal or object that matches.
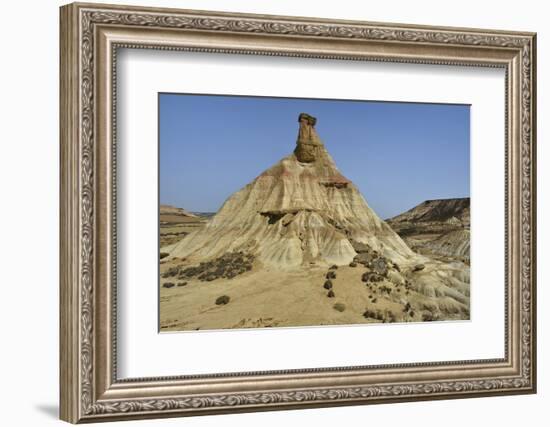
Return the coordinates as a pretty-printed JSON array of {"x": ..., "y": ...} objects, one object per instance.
[{"x": 397, "y": 154}]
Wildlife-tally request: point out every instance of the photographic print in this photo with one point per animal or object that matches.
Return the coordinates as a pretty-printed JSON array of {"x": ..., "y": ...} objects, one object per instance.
[
  {"x": 300, "y": 182},
  {"x": 278, "y": 212}
]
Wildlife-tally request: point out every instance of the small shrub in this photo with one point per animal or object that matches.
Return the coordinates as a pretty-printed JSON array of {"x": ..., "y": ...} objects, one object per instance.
[
  {"x": 168, "y": 285},
  {"x": 385, "y": 289},
  {"x": 182, "y": 284},
  {"x": 328, "y": 285},
  {"x": 171, "y": 272},
  {"x": 369, "y": 314}
]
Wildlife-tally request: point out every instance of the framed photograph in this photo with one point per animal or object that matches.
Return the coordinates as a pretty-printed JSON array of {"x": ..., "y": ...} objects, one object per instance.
[{"x": 268, "y": 212}]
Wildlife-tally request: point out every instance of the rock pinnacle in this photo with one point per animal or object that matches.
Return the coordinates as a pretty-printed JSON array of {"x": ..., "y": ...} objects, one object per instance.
[{"x": 308, "y": 141}]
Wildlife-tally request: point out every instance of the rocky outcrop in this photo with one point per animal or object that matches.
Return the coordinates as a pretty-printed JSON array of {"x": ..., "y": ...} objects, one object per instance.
[
  {"x": 308, "y": 144},
  {"x": 437, "y": 227}
]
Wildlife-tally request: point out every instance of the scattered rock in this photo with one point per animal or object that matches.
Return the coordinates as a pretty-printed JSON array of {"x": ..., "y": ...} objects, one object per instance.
[
  {"x": 365, "y": 259},
  {"x": 418, "y": 267},
  {"x": 339, "y": 307},
  {"x": 385, "y": 289},
  {"x": 353, "y": 264},
  {"x": 168, "y": 285},
  {"x": 224, "y": 299},
  {"x": 369, "y": 314},
  {"x": 331, "y": 275},
  {"x": 380, "y": 266},
  {"x": 370, "y": 276},
  {"x": 171, "y": 272},
  {"x": 164, "y": 255},
  {"x": 330, "y": 294},
  {"x": 360, "y": 248},
  {"x": 378, "y": 315},
  {"x": 182, "y": 284},
  {"x": 333, "y": 267},
  {"x": 328, "y": 284}
]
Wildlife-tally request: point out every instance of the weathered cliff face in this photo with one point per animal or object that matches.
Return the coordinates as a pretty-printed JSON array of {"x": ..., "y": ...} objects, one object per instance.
[
  {"x": 437, "y": 227},
  {"x": 301, "y": 211},
  {"x": 455, "y": 211}
]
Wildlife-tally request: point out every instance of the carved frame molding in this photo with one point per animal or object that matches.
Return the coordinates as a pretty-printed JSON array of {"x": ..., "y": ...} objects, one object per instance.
[{"x": 90, "y": 36}]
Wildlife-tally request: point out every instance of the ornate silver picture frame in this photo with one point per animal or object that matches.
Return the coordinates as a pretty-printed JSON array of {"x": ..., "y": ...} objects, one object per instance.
[{"x": 91, "y": 36}]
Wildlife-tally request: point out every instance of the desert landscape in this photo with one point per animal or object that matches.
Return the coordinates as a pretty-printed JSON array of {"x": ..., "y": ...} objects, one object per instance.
[
  {"x": 176, "y": 223},
  {"x": 300, "y": 246},
  {"x": 438, "y": 228}
]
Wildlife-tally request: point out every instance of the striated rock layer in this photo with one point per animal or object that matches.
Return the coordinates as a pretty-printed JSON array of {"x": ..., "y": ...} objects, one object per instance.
[
  {"x": 455, "y": 211},
  {"x": 301, "y": 211},
  {"x": 437, "y": 227}
]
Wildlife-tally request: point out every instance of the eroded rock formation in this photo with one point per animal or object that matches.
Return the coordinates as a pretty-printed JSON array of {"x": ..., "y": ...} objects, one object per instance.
[
  {"x": 437, "y": 227},
  {"x": 308, "y": 143},
  {"x": 300, "y": 211}
]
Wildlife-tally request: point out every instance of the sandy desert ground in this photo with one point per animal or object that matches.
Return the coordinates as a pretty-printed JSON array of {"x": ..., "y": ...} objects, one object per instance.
[{"x": 269, "y": 298}]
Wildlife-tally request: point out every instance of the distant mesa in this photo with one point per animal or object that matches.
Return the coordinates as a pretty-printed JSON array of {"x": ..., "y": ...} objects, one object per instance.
[
  {"x": 301, "y": 211},
  {"x": 456, "y": 209},
  {"x": 172, "y": 210},
  {"x": 175, "y": 223},
  {"x": 437, "y": 227}
]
